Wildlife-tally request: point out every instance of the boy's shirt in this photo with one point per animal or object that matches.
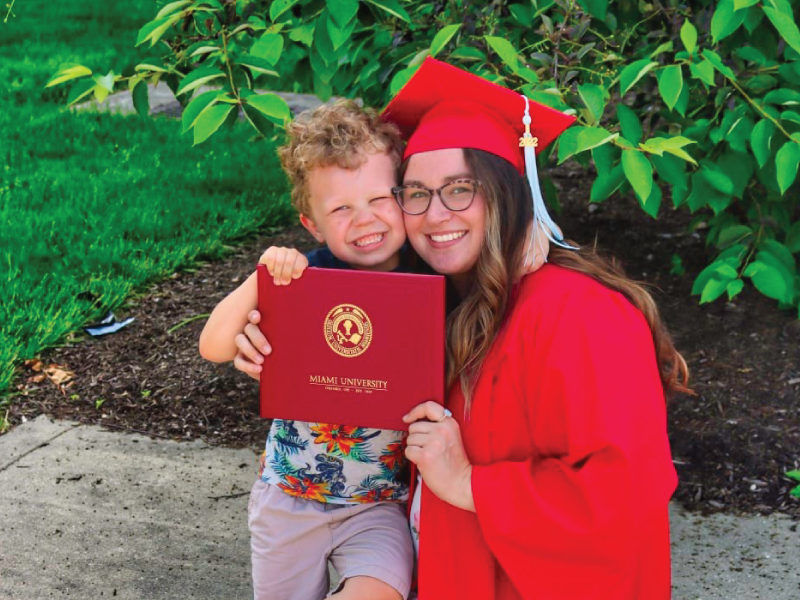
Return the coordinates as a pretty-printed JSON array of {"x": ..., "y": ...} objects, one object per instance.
[{"x": 339, "y": 464}]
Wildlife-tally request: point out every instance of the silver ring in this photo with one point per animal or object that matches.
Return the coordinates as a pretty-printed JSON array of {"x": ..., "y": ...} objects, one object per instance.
[{"x": 446, "y": 414}]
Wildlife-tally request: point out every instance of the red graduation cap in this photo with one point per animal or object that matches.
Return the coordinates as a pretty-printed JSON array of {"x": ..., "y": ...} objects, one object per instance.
[{"x": 442, "y": 106}]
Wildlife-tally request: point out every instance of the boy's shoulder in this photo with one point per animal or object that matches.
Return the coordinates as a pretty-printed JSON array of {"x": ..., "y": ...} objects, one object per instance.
[{"x": 324, "y": 259}]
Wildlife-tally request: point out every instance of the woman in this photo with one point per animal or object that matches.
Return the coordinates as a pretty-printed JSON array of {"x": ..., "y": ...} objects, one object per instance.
[
  {"x": 548, "y": 474},
  {"x": 552, "y": 478}
]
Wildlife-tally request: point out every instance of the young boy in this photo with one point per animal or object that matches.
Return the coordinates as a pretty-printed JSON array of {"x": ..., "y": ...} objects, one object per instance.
[{"x": 329, "y": 492}]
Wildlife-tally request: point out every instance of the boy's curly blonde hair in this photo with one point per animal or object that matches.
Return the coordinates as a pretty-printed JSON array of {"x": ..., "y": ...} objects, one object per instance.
[{"x": 341, "y": 134}]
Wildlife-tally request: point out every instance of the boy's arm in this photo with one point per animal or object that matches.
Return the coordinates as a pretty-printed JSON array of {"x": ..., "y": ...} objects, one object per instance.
[
  {"x": 227, "y": 320},
  {"x": 218, "y": 341}
]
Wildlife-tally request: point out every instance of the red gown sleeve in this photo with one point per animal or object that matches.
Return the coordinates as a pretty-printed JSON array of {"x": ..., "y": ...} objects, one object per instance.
[{"x": 585, "y": 515}]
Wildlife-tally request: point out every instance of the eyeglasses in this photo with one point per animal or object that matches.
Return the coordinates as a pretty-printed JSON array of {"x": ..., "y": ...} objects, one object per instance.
[{"x": 455, "y": 195}]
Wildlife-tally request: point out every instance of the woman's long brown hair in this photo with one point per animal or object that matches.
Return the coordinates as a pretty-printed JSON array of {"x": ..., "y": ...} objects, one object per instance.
[{"x": 473, "y": 325}]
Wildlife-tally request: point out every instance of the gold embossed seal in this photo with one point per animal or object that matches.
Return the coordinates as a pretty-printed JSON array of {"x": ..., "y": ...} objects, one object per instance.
[{"x": 348, "y": 330}]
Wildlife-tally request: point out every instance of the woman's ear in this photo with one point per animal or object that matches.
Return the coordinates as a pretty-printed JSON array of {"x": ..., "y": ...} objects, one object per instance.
[{"x": 312, "y": 228}]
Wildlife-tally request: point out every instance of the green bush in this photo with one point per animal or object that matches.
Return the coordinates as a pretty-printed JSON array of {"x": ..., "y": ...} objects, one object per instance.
[{"x": 696, "y": 99}]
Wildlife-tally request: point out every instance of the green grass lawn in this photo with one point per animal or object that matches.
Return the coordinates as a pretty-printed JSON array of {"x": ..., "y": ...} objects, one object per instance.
[{"x": 95, "y": 206}]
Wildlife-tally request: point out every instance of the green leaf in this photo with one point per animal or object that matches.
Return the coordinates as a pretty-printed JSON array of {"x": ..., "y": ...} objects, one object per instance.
[
  {"x": 722, "y": 270},
  {"x": 704, "y": 71},
  {"x": 393, "y": 8},
  {"x": 726, "y": 20},
  {"x": 633, "y": 73},
  {"x": 141, "y": 100},
  {"x": 148, "y": 66},
  {"x": 639, "y": 172},
  {"x": 652, "y": 203},
  {"x": 522, "y": 14},
  {"x": 739, "y": 4},
  {"x": 278, "y": 7},
  {"x": 468, "y": 53},
  {"x": 785, "y": 26},
  {"x": 689, "y": 36},
  {"x": 778, "y": 252},
  {"x": 210, "y": 120},
  {"x": 197, "y": 78},
  {"x": 592, "y": 137},
  {"x": 786, "y": 162},
  {"x": 717, "y": 63},
  {"x": 594, "y": 98},
  {"x": 783, "y": 96},
  {"x": 67, "y": 72},
  {"x": 713, "y": 289},
  {"x": 504, "y": 49},
  {"x": 303, "y": 34},
  {"x": 268, "y": 47},
  {"x": 442, "y": 37},
  {"x": 153, "y": 30},
  {"x": 195, "y": 107},
  {"x": 106, "y": 81},
  {"x": 80, "y": 90},
  {"x": 567, "y": 142},
  {"x": 271, "y": 106},
  {"x": 760, "y": 139},
  {"x": 607, "y": 183},
  {"x": 629, "y": 124},
  {"x": 793, "y": 238},
  {"x": 770, "y": 280},
  {"x": 172, "y": 7},
  {"x": 734, "y": 288},
  {"x": 670, "y": 84},
  {"x": 340, "y": 36},
  {"x": 733, "y": 235},
  {"x": 596, "y": 8},
  {"x": 342, "y": 11},
  {"x": 673, "y": 145},
  {"x": 261, "y": 124},
  {"x": 400, "y": 79},
  {"x": 717, "y": 179},
  {"x": 259, "y": 65}
]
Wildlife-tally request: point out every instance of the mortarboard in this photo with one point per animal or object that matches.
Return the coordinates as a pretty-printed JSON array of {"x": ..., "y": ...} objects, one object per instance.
[{"x": 442, "y": 106}]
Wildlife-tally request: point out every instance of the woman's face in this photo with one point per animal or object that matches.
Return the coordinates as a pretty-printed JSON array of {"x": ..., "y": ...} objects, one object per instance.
[{"x": 450, "y": 242}]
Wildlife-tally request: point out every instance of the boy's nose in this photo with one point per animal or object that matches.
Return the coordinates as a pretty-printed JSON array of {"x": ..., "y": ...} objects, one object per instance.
[{"x": 363, "y": 215}]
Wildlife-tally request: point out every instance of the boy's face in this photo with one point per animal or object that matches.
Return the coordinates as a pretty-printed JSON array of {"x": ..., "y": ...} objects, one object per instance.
[{"x": 354, "y": 213}]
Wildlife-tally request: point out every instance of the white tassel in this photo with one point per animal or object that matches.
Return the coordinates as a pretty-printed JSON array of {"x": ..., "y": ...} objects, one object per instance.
[{"x": 540, "y": 214}]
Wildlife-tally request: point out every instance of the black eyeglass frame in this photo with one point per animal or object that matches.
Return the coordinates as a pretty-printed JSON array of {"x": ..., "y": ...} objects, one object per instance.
[{"x": 396, "y": 191}]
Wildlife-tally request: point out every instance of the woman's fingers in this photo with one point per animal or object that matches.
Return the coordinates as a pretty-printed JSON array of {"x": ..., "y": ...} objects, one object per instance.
[
  {"x": 254, "y": 317},
  {"x": 247, "y": 349},
  {"x": 256, "y": 338},
  {"x": 280, "y": 259},
  {"x": 430, "y": 410},
  {"x": 243, "y": 364}
]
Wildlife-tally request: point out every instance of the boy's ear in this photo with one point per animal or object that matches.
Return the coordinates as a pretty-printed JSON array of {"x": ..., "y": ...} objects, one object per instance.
[{"x": 312, "y": 228}]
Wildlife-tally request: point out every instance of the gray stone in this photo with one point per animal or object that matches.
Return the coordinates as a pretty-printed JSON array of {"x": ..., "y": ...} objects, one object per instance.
[{"x": 163, "y": 102}]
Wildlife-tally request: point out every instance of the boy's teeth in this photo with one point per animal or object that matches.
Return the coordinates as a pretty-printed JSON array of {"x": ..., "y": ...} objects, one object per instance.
[
  {"x": 369, "y": 240},
  {"x": 448, "y": 237}
]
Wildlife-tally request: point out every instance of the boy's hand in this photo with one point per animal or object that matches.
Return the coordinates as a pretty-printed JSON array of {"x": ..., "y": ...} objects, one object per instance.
[
  {"x": 284, "y": 264},
  {"x": 253, "y": 346},
  {"x": 541, "y": 249}
]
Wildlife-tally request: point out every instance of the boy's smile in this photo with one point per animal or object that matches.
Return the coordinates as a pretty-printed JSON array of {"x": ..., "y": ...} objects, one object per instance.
[{"x": 354, "y": 213}]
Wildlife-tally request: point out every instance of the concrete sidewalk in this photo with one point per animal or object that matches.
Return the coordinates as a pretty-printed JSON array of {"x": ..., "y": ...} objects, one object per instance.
[{"x": 89, "y": 513}]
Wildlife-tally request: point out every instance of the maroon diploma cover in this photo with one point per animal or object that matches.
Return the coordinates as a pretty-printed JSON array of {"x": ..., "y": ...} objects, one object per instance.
[{"x": 351, "y": 347}]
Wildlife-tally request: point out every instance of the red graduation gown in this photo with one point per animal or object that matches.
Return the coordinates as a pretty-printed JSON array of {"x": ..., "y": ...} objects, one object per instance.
[{"x": 572, "y": 471}]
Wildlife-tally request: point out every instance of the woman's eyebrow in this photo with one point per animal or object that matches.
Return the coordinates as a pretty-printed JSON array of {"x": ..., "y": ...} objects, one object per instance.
[{"x": 446, "y": 179}]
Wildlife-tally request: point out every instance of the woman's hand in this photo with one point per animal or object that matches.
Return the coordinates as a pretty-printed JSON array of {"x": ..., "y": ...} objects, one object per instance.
[
  {"x": 252, "y": 347},
  {"x": 434, "y": 445},
  {"x": 284, "y": 264}
]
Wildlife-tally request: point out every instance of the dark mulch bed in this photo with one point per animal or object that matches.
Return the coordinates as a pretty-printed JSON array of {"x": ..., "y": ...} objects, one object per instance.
[{"x": 732, "y": 443}]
